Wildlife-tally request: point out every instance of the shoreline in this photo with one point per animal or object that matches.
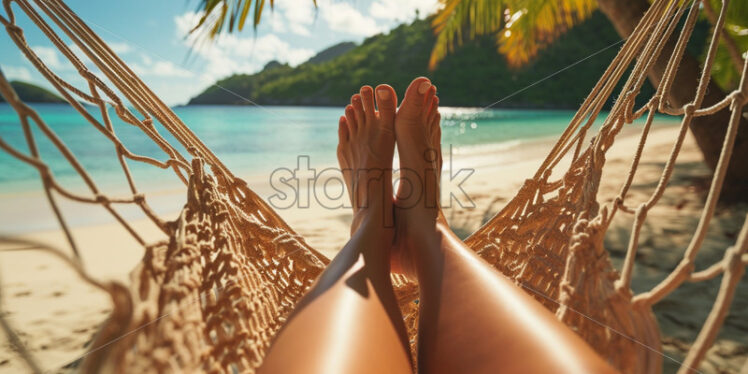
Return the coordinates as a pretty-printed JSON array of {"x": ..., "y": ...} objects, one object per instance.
[
  {"x": 30, "y": 210},
  {"x": 26, "y": 210}
]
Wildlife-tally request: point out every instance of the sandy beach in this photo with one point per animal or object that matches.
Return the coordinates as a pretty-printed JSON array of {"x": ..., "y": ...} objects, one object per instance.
[{"x": 56, "y": 315}]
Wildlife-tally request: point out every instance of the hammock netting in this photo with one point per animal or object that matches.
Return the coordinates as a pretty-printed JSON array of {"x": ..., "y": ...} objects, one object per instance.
[{"x": 212, "y": 296}]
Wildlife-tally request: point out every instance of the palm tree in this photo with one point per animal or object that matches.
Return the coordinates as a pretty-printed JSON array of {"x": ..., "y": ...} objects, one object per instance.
[{"x": 524, "y": 27}]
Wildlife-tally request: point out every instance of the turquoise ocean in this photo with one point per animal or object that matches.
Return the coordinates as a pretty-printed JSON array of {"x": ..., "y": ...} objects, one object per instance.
[{"x": 252, "y": 141}]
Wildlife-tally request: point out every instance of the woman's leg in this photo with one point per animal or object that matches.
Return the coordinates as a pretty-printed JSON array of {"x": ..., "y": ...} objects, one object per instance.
[
  {"x": 472, "y": 318},
  {"x": 349, "y": 322}
]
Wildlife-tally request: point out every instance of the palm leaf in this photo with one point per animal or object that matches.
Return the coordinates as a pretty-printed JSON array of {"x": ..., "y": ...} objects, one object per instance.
[
  {"x": 245, "y": 11},
  {"x": 217, "y": 14},
  {"x": 259, "y": 4},
  {"x": 521, "y": 27},
  {"x": 538, "y": 23},
  {"x": 459, "y": 19}
]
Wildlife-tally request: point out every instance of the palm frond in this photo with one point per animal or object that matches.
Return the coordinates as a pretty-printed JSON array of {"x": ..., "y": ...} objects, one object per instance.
[
  {"x": 228, "y": 15},
  {"x": 536, "y": 24},
  {"x": 458, "y": 19},
  {"x": 521, "y": 27}
]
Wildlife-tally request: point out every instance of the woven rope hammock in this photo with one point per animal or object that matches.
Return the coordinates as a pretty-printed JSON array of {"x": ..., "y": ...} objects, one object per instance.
[{"x": 212, "y": 296}]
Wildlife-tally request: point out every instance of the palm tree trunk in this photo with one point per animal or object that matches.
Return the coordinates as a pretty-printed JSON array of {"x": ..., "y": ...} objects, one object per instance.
[{"x": 709, "y": 131}]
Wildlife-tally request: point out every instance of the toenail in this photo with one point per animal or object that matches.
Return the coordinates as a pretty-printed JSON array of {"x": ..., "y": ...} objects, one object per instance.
[
  {"x": 424, "y": 87},
  {"x": 383, "y": 94}
]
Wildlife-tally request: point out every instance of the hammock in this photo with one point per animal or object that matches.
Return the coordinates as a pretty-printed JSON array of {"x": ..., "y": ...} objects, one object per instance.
[{"x": 213, "y": 295}]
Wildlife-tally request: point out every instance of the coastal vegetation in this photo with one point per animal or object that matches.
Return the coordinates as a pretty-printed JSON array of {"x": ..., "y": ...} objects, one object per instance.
[
  {"x": 476, "y": 76},
  {"x": 32, "y": 93}
]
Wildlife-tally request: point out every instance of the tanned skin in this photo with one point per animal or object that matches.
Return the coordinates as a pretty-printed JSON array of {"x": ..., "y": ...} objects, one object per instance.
[{"x": 472, "y": 318}]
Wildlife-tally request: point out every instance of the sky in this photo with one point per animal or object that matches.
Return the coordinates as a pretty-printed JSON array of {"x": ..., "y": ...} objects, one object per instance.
[{"x": 152, "y": 37}]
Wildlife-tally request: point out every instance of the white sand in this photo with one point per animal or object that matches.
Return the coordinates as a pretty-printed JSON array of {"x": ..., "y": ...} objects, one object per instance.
[{"x": 56, "y": 315}]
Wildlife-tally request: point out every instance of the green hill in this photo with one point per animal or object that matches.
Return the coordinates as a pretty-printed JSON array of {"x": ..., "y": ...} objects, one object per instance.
[
  {"x": 31, "y": 93},
  {"x": 330, "y": 53},
  {"x": 476, "y": 75}
]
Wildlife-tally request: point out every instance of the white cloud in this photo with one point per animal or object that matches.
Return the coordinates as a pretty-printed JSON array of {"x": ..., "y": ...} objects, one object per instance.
[
  {"x": 276, "y": 22},
  {"x": 146, "y": 59},
  {"x": 17, "y": 73},
  {"x": 299, "y": 29},
  {"x": 230, "y": 54},
  {"x": 185, "y": 22},
  {"x": 343, "y": 17},
  {"x": 297, "y": 15},
  {"x": 162, "y": 68},
  {"x": 402, "y": 10},
  {"x": 119, "y": 48},
  {"x": 49, "y": 56},
  {"x": 55, "y": 60},
  {"x": 169, "y": 69}
]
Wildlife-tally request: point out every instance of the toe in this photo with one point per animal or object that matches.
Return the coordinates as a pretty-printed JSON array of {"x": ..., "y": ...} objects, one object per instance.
[
  {"x": 367, "y": 96},
  {"x": 387, "y": 105},
  {"x": 358, "y": 110},
  {"x": 428, "y": 106},
  {"x": 433, "y": 110},
  {"x": 436, "y": 139},
  {"x": 342, "y": 130},
  {"x": 350, "y": 119},
  {"x": 413, "y": 100},
  {"x": 342, "y": 143},
  {"x": 436, "y": 130}
]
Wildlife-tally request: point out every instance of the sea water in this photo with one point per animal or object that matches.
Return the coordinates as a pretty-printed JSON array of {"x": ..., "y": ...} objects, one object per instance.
[{"x": 251, "y": 141}]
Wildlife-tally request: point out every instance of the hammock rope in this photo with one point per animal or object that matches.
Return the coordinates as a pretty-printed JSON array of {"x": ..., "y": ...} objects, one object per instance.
[{"x": 212, "y": 295}]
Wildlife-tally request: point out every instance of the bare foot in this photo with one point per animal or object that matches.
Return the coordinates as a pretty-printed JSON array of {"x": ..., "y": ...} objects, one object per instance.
[
  {"x": 417, "y": 210},
  {"x": 349, "y": 321},
  {"x": 365, "y": 151}
]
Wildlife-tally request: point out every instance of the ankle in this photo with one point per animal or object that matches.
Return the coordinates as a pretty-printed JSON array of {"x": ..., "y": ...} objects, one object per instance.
[
  {"x": 419, "y": 248},
  {"x": 375, "y": 220}
]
